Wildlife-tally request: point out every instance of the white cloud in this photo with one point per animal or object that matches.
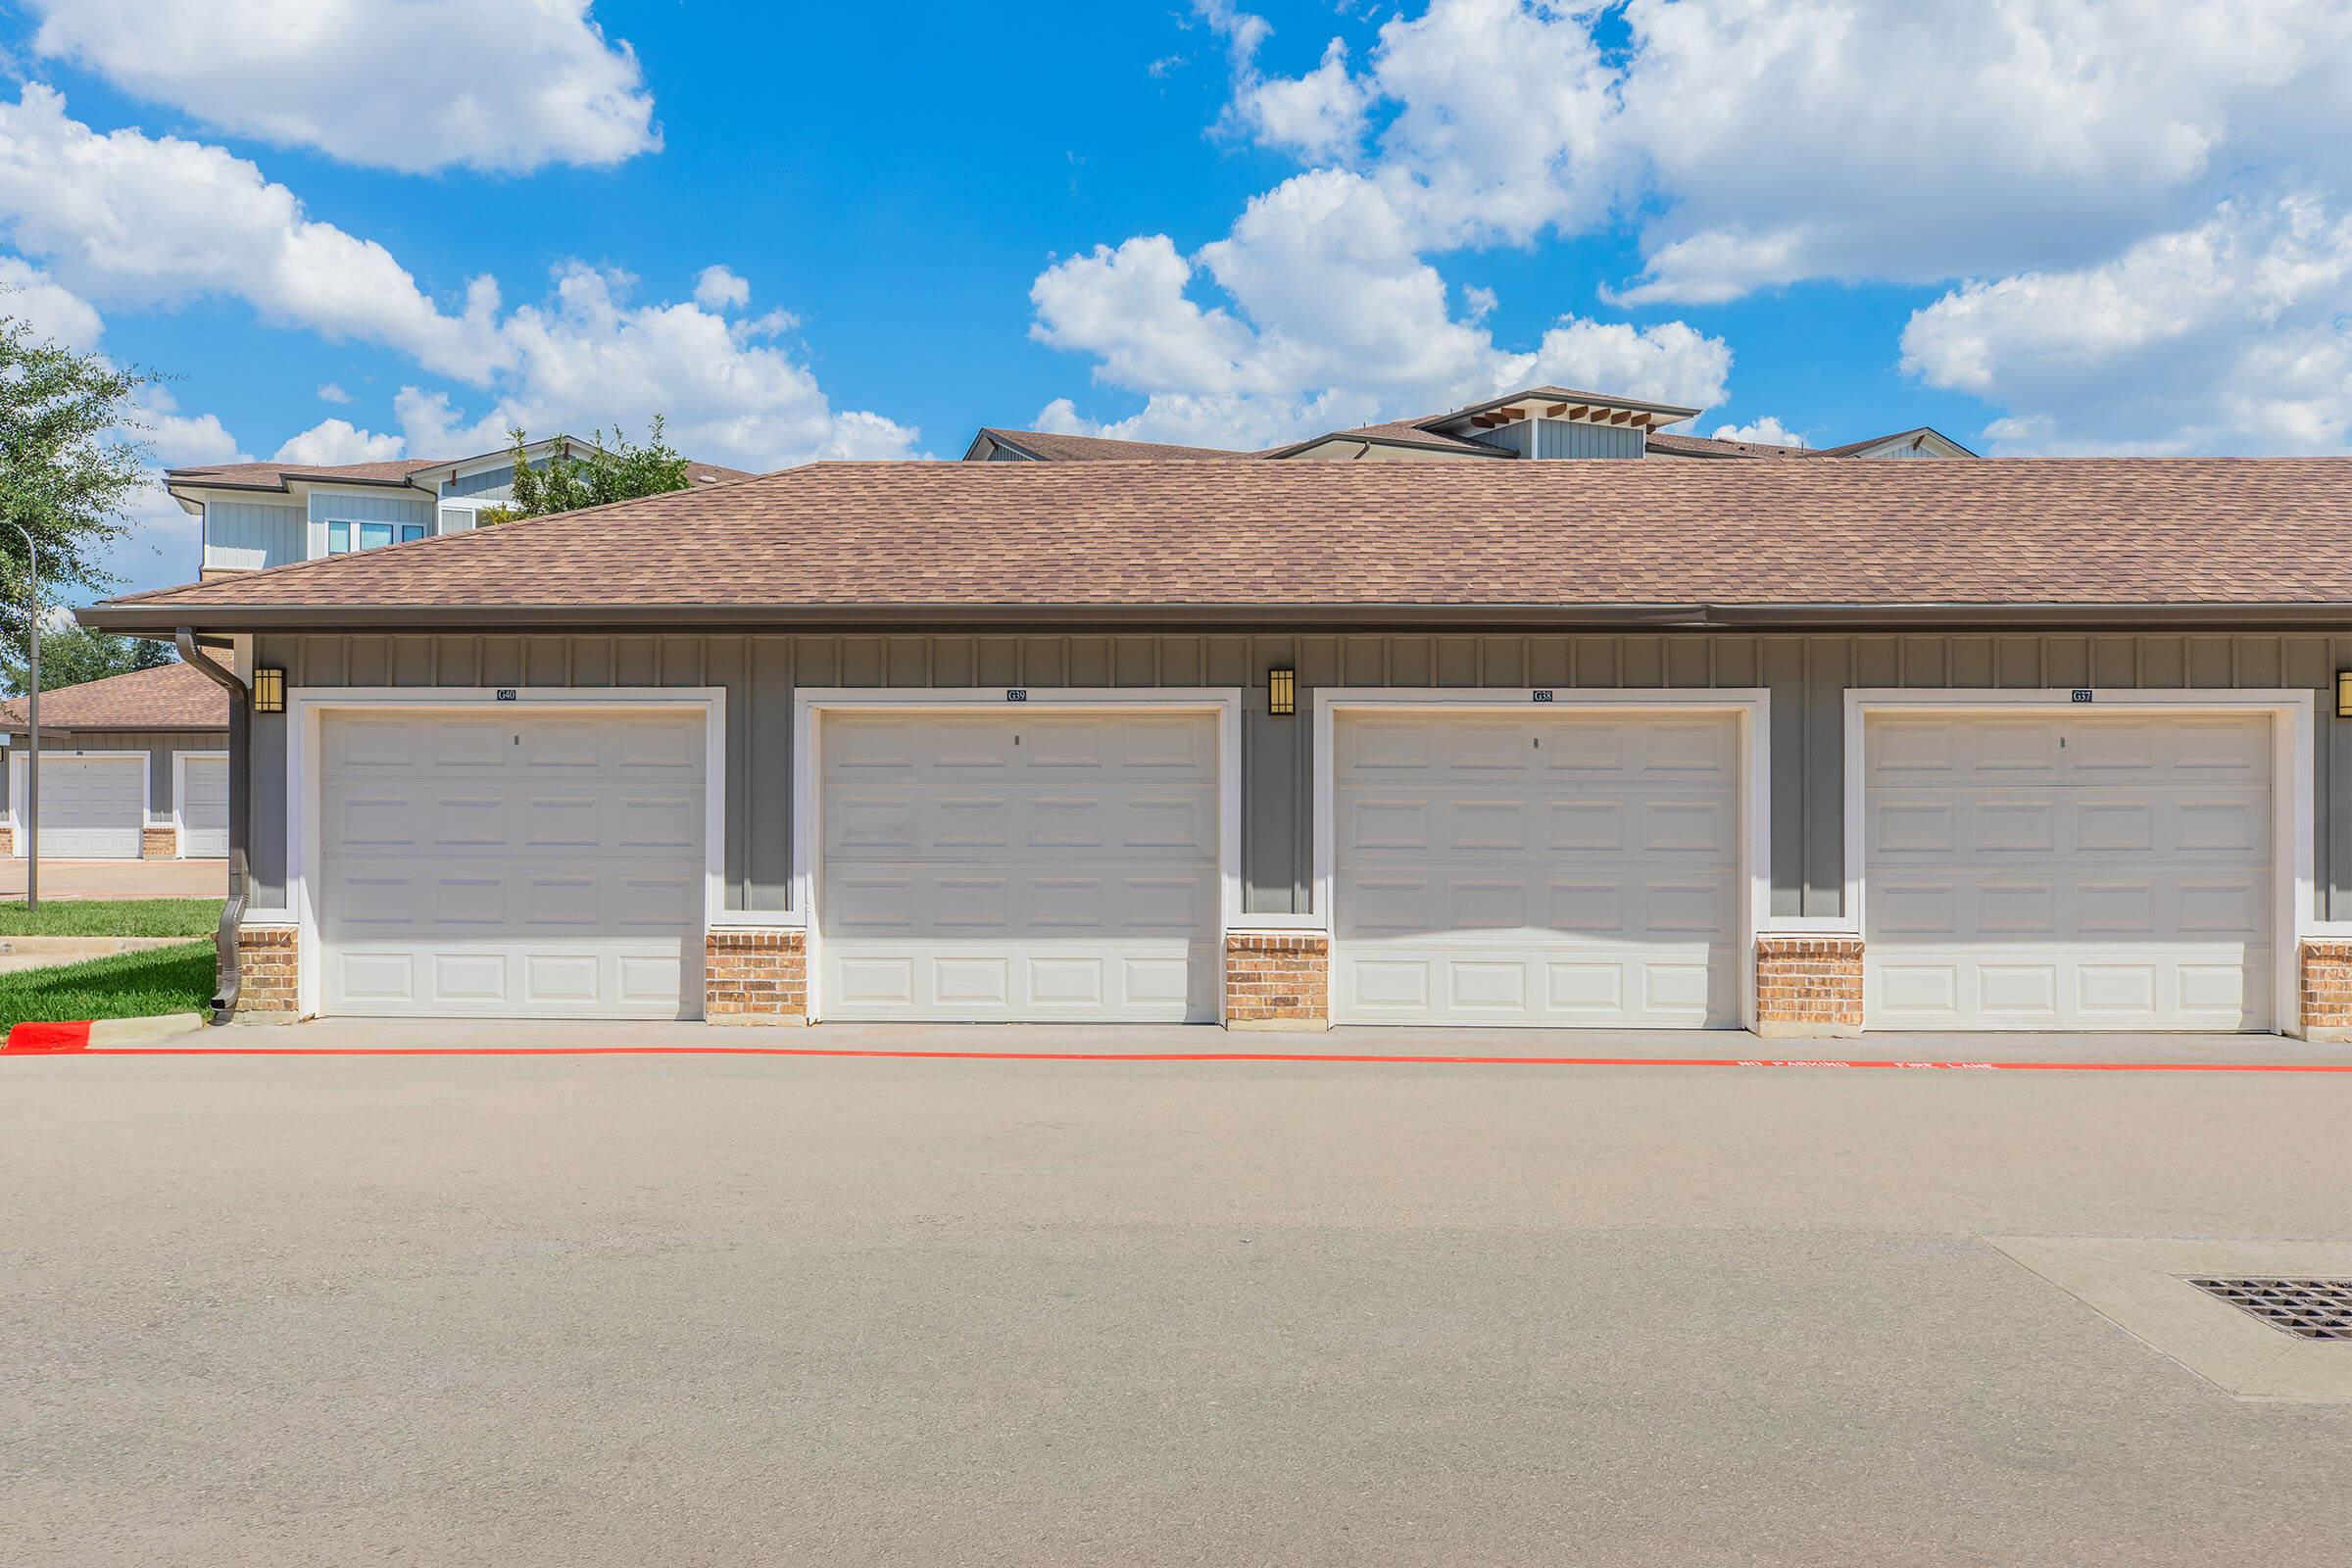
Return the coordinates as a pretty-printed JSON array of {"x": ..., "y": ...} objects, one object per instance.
[
  {"x": 329, "y": 392},
  {"x": 718, "y": 288},
  {"x": 338, "y": 441},
  {"x": 1744, "y": 144},
  {"x": 1317, "y": 116},
  {"x": 1760, "y": 142},
  {"x": 58, "y": 315},
  {"x": 1335, "y": 320},
  {"x": 182, "y": 440},
  {"x": 1816, "y": 138},
  {"x": 592, "y": 356},
  {"x": 133, "y": 220},
  {"x": 2228, "y": 336},
  {"x": 1767, "y": 431},
  {"x": 129, "y": 219},
  {"x": 425, "y": 84}
]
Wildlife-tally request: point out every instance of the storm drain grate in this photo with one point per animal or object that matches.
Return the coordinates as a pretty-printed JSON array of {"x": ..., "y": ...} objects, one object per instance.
[{"x": 2309, "y": 1309}]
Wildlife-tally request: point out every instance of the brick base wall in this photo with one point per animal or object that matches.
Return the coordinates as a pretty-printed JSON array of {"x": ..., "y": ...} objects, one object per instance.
[
  {"x": 159, "y": 844},
  {"x": 1808, "y": 986},
  {"x": 755, "y": 977},
  {"x": 266, "y": 987},
  {"x": 8, "y": 841},
  {"x": 1277, "y": 980},
  {"x": 2325, "y": 988}
]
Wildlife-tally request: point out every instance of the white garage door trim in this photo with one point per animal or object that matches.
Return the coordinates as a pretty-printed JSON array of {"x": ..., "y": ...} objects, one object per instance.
[
  {"x": 17, "y": 764},
  {"x": 2293, "y": 804},
  {"x": 1750, "y": 704},
  {"x": 179, "y": 797},
  {"x": 307, "y": 708},
  {"x": 1223, "y": 703}
]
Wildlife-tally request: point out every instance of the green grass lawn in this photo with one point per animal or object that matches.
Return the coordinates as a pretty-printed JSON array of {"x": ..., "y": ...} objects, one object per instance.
[
  {"x": 112, "y": 917},
  {"x": 129, "y": 984}
]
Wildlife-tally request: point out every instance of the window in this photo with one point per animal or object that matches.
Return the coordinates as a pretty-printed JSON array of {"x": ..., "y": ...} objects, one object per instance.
[{"x": 342, "y": 537}]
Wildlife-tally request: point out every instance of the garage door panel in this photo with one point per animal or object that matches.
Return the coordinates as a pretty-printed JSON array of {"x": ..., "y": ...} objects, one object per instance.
[
  {"x": 1532, "y": 869},
  {"x": 1625, "y": 985},
  {"x": 1901, "y": 827},
  {"x": 1025, "y": 865},
  {"x": 1996, "y": 907},
  {"x": 512, "y": 864},
  {"x": 2065, "y": 871},
  {"x": 204, "y": 807},
  {"x": 92, "y": 807}
]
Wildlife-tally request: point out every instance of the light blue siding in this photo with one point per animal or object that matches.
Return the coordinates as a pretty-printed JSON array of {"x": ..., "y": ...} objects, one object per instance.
[
  {"x": 1517, "y": 438},
  {"x": 1569, "y": 439},
  {"x": 491, "y": 484},
  {"x": 363, "y": 505},
  {"x": 248, "y": 535}
]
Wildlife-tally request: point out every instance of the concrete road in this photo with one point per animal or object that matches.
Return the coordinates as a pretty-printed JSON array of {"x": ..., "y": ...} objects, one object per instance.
[
  {"x": 727, "y": 1311},
  {"x": 120, "y": 879}
]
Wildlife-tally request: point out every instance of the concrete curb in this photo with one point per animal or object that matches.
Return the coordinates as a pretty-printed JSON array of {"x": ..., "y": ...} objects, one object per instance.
[
  {"x": 20, "y": 953},
  {"x": 140, "y": 1031},
  {"x": 28, "y": 1039}
]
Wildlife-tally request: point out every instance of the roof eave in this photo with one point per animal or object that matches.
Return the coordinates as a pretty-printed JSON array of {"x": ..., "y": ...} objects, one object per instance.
[{"x": 149, "y": 618}]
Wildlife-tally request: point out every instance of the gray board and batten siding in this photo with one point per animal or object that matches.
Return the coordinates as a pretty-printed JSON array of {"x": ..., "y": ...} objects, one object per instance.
[
  {"x": 160, "y": 744},
  {"x": 1806, "y": 674}
]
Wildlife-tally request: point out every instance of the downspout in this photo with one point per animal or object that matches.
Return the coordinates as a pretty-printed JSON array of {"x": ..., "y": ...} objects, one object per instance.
[{"x": 240, "y": 822}]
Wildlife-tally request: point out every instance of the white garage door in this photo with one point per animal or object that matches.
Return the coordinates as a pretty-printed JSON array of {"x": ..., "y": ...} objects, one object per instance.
[
  {"x": 2101, "y": 871},
  {"x": 1031, "y": 866},
  {"x": 92, "y": 807},
  {"x": 1538, "y": 869},
  {"x": 522, "y": 865},
  {"x": 204, "y": 807}
]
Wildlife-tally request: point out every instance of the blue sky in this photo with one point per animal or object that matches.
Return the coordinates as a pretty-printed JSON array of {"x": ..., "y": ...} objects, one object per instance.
[{"x": 2061, "y": 229}]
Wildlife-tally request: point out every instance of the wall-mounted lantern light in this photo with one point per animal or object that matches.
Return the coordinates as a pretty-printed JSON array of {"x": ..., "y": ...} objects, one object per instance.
[
  {"x": 268, "y": 690},
  {"x": 2343, "y": 694},
  {"x": 1282, "y": 692}
]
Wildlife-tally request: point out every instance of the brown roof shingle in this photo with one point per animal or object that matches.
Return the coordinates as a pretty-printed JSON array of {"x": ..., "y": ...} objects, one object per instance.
[
  {"x": 274, "y": 476},
  {"x": 1056, "y": 448},
  {"x": 166, "y": 697},
  {"x": 1006, "y": 537}
]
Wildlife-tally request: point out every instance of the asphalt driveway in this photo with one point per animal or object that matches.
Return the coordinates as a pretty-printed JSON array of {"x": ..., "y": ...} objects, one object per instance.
[{"x": 729, "y": 1309}]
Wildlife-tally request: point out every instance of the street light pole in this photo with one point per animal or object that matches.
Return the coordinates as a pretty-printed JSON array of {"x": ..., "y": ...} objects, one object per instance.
[{"x": 33, "y": 717}]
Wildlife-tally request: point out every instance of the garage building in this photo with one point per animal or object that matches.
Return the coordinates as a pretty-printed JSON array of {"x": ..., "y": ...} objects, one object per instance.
[
  {"x": 1802, "y": 746},
  {"x": 133, "y": 767}
]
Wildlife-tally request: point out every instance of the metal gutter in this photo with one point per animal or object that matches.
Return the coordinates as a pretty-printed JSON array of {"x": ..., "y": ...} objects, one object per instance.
[
  {"x": 228, "y": 972},
  {"x": 165, "y": 617}
]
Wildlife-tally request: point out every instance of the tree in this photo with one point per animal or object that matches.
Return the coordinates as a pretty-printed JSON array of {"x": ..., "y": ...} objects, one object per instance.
[
  {"x": 72, "y": 655},
  {"x": 68, "y": 466},
  {"x": 569, "y": 480}
]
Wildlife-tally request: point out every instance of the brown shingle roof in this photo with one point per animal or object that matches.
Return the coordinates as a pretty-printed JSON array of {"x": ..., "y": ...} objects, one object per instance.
[
  {"x": 1397, "y": 432},
  {"x": 1852, "y": 447},
  {"x": 274, "y": 476},
  {"x": 1010, "y": 537},
  {"x": 168, "y": 697},
  {"x": 1708, "y": 446},
  {"x": 1056, "y": 448}
]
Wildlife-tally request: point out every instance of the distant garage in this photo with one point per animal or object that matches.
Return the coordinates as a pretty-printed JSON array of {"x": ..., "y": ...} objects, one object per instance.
[
  {"x": 93, "y": 804},
  {"x": 116, "y": 757}
]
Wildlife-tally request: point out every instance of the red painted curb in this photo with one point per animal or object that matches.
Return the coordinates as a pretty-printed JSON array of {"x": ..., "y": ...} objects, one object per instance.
[
  {"x": 1234, "y": 1057},
  {"x": 48, "y": 1038}
]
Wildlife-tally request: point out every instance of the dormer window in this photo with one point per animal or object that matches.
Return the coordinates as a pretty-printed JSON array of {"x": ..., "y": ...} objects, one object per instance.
[{"x": 343, "y": 538}]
